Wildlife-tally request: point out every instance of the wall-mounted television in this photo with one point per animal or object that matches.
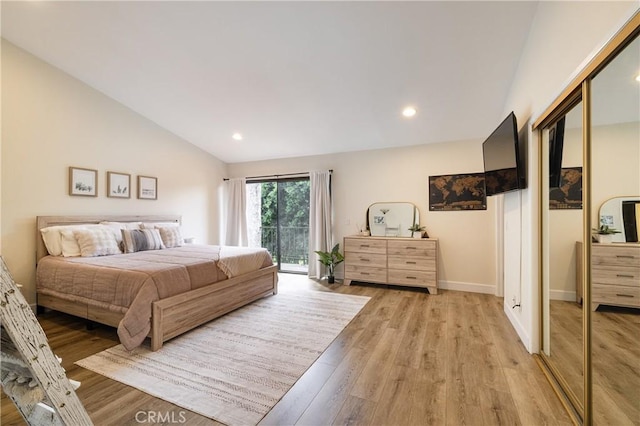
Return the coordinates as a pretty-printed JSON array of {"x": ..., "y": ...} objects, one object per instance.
[
  {"x": 503, "y": 155},
  {"x": 556, "y": 143}
]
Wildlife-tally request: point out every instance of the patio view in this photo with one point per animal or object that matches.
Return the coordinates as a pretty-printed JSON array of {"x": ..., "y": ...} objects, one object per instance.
[{"x": 278, "y": 219}]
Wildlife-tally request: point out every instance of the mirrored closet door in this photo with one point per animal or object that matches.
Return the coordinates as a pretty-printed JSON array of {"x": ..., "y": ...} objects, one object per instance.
[
  {"x": 563, "y": 226},
  {"x": 615, "y": 265},
  {"x": 589, "y": 153}
]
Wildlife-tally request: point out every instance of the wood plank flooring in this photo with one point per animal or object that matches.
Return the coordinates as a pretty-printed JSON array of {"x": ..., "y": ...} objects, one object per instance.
[
  {"x": 408, "y": 358},
  {"x": 615, "y": 358}
]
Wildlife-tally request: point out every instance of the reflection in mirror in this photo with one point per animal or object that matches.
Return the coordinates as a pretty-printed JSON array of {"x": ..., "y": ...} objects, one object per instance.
[
  {"x": 392, "y": 219},
  {"x": 615, "y": 268},
  {"x": 622, "y": 214},
  {"x": 563, "y": 228}
]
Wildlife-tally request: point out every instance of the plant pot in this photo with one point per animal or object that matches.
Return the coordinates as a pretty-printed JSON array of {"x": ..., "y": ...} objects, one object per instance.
[
  {"x": 331, "y": 279},
  {"x": 604, "y": 238},
  {"x": 417, "y": 234}
]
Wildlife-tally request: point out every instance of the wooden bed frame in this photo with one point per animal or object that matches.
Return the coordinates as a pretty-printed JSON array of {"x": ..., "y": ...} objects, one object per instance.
[{"x": 174, "y": 315}]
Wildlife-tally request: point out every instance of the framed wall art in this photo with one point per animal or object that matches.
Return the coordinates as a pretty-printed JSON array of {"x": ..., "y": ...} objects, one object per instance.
[
  {"x": 147, "y": 188},
  {"x": 457, "y": 192},
  {"x": 118, "y": 185},
  {"x": 568, "y": 195},
  {"x": 83, "y": 182}
]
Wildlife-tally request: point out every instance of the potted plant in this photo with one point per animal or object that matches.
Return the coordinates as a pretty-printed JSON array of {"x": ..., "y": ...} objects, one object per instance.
[
  {"x": 604, "y": 234},
  {"x": 416, "y": 230},
  {"x": 330, "y": 260}
]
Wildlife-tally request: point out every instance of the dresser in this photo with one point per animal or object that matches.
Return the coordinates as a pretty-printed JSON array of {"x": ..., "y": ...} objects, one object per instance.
[
  {"x": 615, "y": 275},
  {"x": 409, "y": 262}
]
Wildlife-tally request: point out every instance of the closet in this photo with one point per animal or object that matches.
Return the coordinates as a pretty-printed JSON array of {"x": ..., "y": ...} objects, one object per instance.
[{"x": 589, "y": 168}]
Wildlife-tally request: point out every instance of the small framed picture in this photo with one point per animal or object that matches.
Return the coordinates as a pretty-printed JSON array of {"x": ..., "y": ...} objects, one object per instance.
[
  {"x": 83, "y": 182},
  {"x": 147, "y": 188},
  {"x": 118, "y": 185},
  {"x": 378, "y": 220}
]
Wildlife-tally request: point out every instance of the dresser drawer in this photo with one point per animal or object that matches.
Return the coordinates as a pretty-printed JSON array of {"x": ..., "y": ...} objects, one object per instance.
[
  {"x": 365, "y": 259},
  {"x": 364, "y": 245},
  {"x": 367, "y": 274},
  {"x": 615, "y": 295},
  {"x": 412, "y": 263},
  {"x": 616, "y": 275},
  {"x": 422, "y": 248},
  {"x": 614, "y": 255},
  {"x": 412, "y": 278}
]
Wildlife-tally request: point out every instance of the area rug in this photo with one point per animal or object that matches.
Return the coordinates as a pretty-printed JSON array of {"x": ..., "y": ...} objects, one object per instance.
[{"x": 236, "y": 368}]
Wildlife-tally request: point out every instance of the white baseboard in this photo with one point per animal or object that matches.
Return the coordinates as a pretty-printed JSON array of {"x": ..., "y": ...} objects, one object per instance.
[
  {"x": 470, "y": 287},
  {"x": 515, "y": 322},
  {"x": 567, "y": 296}
]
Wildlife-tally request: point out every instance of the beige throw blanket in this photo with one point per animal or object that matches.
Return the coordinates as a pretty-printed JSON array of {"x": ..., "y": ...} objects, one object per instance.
[
  {"x": 130, "y": 283},
  {"x": 236, "y": 261}
]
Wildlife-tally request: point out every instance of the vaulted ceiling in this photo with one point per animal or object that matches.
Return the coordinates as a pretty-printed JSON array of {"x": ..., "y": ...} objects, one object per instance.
[{"x": 294, "y": 78}]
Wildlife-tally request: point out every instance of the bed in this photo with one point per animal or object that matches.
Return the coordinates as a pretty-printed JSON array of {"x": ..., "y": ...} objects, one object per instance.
[{"x": 151, "y": 293}]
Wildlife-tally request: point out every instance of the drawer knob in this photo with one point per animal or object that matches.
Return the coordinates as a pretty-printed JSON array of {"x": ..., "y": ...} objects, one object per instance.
[
  {"x": 364, "y": 273},
  {"x": 411, "y": 263},
  {"x": 365, "y": 260},
  {"x": 624, "y": 276},
  {"x": 622, "y": 256},
  {"x": 411, "y": 278},
  {"x": 624, "y": 295},
  {"x": 364, "y": 245},
  {"x": 411, "y": 248}
]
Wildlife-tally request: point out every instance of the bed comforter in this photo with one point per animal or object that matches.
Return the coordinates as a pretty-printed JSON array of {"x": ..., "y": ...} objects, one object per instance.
[{"x": 130, "y": 283}]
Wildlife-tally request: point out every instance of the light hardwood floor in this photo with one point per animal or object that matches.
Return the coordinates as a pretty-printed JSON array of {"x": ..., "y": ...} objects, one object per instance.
[
  {"x": 409, "y": 358},
  {"x": 615, "y": 358}
]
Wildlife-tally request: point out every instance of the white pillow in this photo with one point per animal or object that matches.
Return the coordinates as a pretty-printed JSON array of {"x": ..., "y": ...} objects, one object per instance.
[
  {"x": 70, "y": 247},
  {"x": 171, "y": 236},
  {"x": 97, "y": 242},
  {"x": 117, "y": 227},
  {"x": 51, "y": 238},
  {"x": 57, "y": 243}
]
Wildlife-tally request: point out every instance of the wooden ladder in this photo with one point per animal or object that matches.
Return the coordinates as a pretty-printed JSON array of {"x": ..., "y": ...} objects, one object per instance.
[{"x": 31, "y": 374}]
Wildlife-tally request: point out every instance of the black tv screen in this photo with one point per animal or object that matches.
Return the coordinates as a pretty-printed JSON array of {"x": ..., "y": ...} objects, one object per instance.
[
  {"x": 503, "y": 165},
  {"x": 556, "y": 144}
]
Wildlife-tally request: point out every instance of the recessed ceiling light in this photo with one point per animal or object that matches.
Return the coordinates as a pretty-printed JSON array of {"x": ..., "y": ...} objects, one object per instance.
[
  {"x": 237, "y": 136},
  {"x": 409, "y": 111}
]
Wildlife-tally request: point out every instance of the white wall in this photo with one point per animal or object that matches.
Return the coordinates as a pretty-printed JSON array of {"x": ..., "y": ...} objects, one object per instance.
[
  {"x": 467, "y": 242},
  {"x": 52, "y": 121},
  {"x": 562, "y": 37}
]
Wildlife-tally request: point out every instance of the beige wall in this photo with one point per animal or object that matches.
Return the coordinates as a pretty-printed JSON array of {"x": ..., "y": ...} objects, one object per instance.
[
  {"x": 467, "y": 250},
  {"x": 52, "y": 121}
]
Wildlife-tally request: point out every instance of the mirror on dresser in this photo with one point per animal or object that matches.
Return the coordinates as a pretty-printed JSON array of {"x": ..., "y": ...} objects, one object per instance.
[
  {"x": 615, "y": 267},
  {"x": 392, "y": 219}
]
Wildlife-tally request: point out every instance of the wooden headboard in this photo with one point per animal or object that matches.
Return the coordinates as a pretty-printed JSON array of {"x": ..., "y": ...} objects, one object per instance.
[{"x": 44, "y": 221}]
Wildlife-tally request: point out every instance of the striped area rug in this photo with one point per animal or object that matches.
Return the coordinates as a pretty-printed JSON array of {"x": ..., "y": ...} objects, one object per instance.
[{"x": 236, "y": 368}]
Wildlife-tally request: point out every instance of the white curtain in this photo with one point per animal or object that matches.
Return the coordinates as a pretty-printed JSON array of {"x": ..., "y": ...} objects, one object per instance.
[
  {"x": 235, "y": 213},
  {"x": 319, "y": 219}
]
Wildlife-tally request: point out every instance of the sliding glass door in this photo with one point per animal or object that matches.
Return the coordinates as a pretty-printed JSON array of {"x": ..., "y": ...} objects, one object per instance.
[{"x": 278, "y": 219}]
